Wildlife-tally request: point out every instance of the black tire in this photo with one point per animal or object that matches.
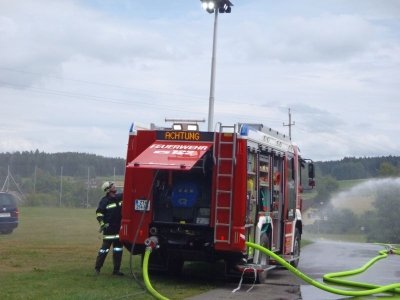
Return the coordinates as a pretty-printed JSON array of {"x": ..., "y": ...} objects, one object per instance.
[
  {"x": 175, "y": 266},
  {"x": 157, "y": 262},
  {"x": 263, "y": 259},
  {"x": 296, "y": 248}
]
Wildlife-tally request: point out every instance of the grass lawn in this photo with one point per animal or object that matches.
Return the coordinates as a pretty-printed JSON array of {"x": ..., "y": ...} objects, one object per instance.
[{"x": 51, "y": 255}]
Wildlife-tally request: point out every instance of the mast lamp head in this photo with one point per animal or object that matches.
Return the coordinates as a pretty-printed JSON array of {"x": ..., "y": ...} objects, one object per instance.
[
  {"x": 223, "y": 6},
  {"x": 185, "y": 126}
]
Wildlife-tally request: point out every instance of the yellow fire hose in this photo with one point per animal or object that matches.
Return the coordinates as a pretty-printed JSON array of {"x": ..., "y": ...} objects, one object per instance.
[{"x": 367, "y": 289}]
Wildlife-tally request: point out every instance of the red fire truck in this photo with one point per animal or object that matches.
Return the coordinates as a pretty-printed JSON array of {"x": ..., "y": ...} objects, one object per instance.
[{"x": 204, "y": 194}]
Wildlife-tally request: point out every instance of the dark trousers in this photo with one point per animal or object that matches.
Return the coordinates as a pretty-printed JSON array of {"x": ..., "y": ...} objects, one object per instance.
[{"x": 117, "y": 253}]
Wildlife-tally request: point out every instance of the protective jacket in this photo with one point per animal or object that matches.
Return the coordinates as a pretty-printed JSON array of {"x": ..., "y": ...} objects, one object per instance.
[{"x": 109, "y": 212}]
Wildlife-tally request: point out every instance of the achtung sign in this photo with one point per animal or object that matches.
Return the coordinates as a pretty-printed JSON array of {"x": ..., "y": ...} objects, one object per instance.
[
  {"x": 182, "y": 135},
  {"x": 171, "y": 155},
  {"x": 195, "y": 136}
]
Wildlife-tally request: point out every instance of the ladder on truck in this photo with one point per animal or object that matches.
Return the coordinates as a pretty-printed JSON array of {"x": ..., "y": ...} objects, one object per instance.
[{"x": 225, "y": 162}]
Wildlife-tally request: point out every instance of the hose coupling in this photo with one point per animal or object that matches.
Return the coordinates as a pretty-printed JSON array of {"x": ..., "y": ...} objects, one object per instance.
[
  {"x": 390, "y": 249},
  {"x": 152, "y": 243}
]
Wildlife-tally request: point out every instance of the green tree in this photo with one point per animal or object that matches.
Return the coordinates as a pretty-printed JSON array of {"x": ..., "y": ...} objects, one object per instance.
[
  {"x": 325, "y": 187},
  {"x": 349, "y": 170},
  {"x": 386, "y": 169}
]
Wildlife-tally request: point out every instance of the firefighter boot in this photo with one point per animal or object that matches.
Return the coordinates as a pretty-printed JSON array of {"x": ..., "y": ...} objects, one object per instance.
[
  {"x": 101, "y": 257},
  {"x": 117, "y": 257}
]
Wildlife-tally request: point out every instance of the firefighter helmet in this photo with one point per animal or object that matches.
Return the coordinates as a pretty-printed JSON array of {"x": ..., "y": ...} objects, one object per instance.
[{"x": 107, "y": 186}]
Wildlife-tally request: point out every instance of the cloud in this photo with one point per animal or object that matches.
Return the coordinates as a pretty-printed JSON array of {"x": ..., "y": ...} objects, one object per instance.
[
  {"x": 75, "y": 74},
  {"x": 40, "y": 41},
  {"x": 326, "y": 38}
]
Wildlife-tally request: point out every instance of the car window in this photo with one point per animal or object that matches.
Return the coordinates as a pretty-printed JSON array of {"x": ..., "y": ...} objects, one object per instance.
[{"x": 6, "y": 200}]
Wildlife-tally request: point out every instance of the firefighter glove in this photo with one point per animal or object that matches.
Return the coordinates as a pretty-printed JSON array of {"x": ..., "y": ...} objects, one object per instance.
[{"x": 103, "y": 226}]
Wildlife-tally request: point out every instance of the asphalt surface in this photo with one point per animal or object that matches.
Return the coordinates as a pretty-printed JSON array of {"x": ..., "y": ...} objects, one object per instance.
[
  {"x": 280, "y": 285},
  {"x": 317, "y": 259}
]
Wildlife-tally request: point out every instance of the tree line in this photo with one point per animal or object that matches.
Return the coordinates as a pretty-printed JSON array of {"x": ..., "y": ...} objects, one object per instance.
[
  {"x": 58, "y": 179},
  {"x": 74, "y": 164},
  {"x": 360, "y": 168},
  {"x": 74, "y": 179},
  {"x": 77, "y": 164}
]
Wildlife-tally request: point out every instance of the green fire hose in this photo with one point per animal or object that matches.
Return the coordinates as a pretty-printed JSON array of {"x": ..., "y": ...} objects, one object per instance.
[
  {"x": 367, "y": 289},
  {"x": 151, "y": 244},
  {"x": 331, "y": 277},
  {"x": 146, "y": 279},
  {"x": 370, "y": 289}
]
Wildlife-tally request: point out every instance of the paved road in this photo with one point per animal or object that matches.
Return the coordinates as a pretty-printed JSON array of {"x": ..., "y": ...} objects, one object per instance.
[
  {"x": 324, "y": 256},
  {"x": 317, "y": 259},
  {"x": 280, "y": 285}
]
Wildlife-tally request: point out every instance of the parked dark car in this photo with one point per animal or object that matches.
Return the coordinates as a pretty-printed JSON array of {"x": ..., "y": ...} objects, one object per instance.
[{"x": 8, "y": 213}]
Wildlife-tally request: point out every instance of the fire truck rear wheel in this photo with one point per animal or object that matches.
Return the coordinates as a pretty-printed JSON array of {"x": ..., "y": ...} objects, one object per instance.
[
  {"x": 296, "y": 248},
  {"x": 263, "y": 259},
  {"x": 175, "y": 266}
]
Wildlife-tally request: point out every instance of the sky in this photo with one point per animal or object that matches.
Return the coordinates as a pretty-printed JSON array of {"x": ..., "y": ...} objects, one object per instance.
[{"x": 74, "y": 75}]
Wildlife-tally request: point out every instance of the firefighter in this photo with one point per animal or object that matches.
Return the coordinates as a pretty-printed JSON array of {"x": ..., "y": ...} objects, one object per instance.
[{"x": 108, "y": 214}]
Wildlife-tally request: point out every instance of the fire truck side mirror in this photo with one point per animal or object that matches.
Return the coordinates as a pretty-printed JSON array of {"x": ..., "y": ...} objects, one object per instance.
[
  {"x": 311, "y": 183},
  {"x": 311, "y": 171},
  {"x": 311, "y": 175}
]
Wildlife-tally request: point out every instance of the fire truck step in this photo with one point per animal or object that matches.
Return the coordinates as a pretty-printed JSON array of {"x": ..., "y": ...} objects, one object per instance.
[
  {"x": 225, "y": 158},
  {"x": 225, "y": 143},
  {"x": 248, "y": 268},
  {"x": 225, "y": 175},
  {"x": 222, "y": 224},
  {"x": 224, "y": 191},
  {"x": 222, "y": 241},
  {"x": 223, "y": 207}
]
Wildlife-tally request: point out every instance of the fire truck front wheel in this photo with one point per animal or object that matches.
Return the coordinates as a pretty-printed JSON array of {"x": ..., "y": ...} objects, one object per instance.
[{"x": 296, "y": 248}]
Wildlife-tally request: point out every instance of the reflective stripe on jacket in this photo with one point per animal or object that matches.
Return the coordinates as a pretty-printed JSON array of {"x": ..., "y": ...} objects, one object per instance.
[{"x": 109, "y": 212}]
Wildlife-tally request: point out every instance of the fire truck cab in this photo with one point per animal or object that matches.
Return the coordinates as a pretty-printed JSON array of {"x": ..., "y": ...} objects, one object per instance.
[{"x": 204, "y": 194}]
